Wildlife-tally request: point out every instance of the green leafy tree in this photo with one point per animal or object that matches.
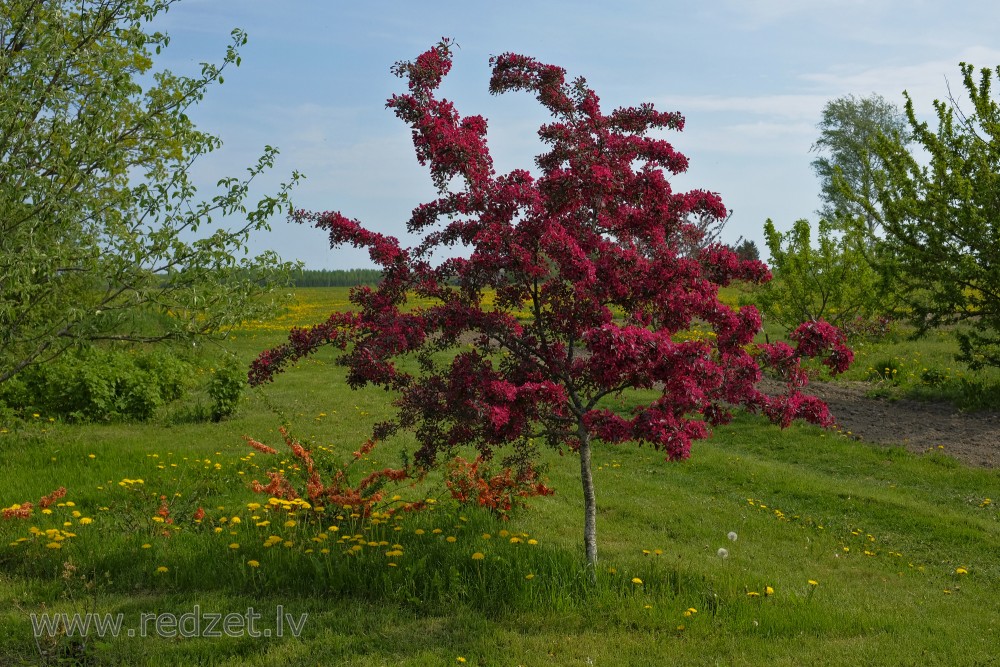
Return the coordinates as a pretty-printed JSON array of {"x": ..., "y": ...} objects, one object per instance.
[
  {"x": 847, "y": 160},
  {"x": 941, "y": 217},
  {"x": 831, "y": 280},
  {"x": 746, "y": 250},
  {"x": 101, "y": 229}
]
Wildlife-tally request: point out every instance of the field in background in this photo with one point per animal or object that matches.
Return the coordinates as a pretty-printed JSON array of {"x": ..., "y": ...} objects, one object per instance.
[{"x": 844, "y": 553}]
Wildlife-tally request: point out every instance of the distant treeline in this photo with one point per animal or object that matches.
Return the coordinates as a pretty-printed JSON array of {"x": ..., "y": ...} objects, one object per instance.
[{"x": 336, "y": 277}]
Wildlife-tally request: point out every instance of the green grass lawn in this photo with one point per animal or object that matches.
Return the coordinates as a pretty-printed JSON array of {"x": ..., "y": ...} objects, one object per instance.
[{"x": 845, "y": 553}]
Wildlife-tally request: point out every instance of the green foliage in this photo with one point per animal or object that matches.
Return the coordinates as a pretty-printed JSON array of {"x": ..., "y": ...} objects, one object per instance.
[
  {"x": 941, "y": 218},
  {"x": 100, "y": 385},
  {"x": 97, "y": 210},
  {"x": 886, "y": 370},
  {"x": 848, "y": 128},
  {"x": 831, "y": 280},
  {"x": 747, "y": 250},
  {"x": 336, "y": 277},
  {"x": 226, "y": 387}
]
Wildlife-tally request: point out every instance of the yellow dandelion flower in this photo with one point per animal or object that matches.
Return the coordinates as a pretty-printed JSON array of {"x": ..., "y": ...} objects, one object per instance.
[
  {"x": 813, "y": 582},
  {"x": 290, "y": 523},
  {"x": 437, "y": 531},
  {"x": 85, "y": 520},
  {"x": 253, "y": 563},
  {"x": 753, "y": 594},
  {"x": 478, "y": 555},
  {"x": 532, "y": 542},
  {"x": 486, "y": 536},
  {"x": 961, "y": 570},
  {"x": 147, "y": 546},
  {"x": 450, "y": 538},
  {"x": 637, "y": 581},
  {"x": 768, "y": 590},
  {"x": 53, "y": 545},
  {"x": 162, "y": 569},
  {"x": 234, "y": 545},
  {"x": 529, "y": 577}
]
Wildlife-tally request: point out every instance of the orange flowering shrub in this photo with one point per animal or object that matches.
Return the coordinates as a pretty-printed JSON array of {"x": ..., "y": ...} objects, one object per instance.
[
  {"x": 362, "y": 496},
  {"x": 472, "y": 481}
]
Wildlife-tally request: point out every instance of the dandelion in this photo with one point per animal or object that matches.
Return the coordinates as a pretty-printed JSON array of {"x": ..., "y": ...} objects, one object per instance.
[
  {"x": 732, "y": 536},
  {"x": 460, "y": 659},
  {"x": 529, "y": 577},
  {"x": 85, "y": 520},
  {"x": 234, "y": 545},
  {"x": 478, "y": 555},
  {"x": 53, "y": 545},
  {"x": 147, "y": 546},
  {"x": 961, "y": 570},
  {"x": 768, "y": 590},
  {"x": 723, "y": 553},
  {"x": 753, "y": 594},
  {"x": 637, "y": 581},
  {"x": 163, "y": 569},
  {"x": 290, "y": 523},
  {"x": 253, "y": 563},
  {"x": 532, "y": 542},
  {"x": 450, "y": 539},
  {"x": 813, "y": 582}
]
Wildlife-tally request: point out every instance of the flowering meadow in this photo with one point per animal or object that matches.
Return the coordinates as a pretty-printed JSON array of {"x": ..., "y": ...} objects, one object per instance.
[{"x": 768, "y": 546}]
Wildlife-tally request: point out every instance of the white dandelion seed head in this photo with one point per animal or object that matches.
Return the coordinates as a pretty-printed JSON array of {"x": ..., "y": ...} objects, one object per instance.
[
  {"x": 723, "y": 553},
  {"x": 732, "y": 536}
]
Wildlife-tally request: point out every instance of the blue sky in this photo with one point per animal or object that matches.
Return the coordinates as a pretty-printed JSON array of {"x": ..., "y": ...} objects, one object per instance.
[{"x": 751, "y": 77}]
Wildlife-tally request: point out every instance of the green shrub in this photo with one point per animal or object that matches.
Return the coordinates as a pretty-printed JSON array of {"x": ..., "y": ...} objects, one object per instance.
[
  {"x": 226, "y": 387},
  {"x": 99, "y": 385}
]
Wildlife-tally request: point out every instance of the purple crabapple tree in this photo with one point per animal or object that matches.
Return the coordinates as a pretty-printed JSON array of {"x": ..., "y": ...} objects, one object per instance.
[{"x": 564, "y": 290}]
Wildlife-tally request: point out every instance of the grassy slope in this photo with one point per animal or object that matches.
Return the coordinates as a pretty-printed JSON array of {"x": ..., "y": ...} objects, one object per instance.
[{"x": 806, "y": 505}]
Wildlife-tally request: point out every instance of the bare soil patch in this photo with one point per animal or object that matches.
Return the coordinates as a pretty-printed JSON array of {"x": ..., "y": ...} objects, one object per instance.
[{"x": 919, "y": 426}]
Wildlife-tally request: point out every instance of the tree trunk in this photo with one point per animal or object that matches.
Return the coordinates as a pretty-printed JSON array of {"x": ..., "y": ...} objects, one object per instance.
[{"x": 589, "y": 503}]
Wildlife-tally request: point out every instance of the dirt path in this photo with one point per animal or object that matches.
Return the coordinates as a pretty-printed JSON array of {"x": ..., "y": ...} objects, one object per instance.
[{"x": 973, "y": 438}]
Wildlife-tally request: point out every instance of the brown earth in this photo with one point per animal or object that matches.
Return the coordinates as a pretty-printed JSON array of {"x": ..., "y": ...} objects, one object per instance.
[{"x": 919, "y": 426}]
